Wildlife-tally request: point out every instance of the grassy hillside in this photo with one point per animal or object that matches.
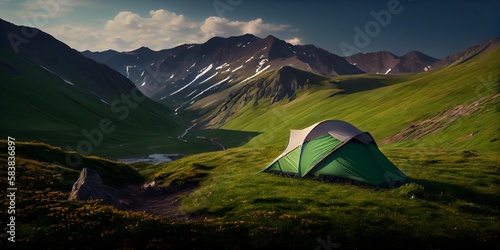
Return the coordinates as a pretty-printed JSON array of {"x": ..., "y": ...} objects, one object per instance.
[
  {"x": 397, "y": 103},
  {"x": 453, "y": 202},
  {"x": 54, "y": 158},
  {"x": 38, "y": 105},
  {"x": 45, "y": 219}
]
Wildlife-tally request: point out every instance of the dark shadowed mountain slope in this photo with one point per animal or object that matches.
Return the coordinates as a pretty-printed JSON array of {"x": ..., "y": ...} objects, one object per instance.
[
  {"x": 52, "y": 93},
  {"x": 468, "y": 53},
  {"x": 374, "y": 62},
  {"x": 414, "y": 62},
  {"x": 272, "y": 87},
  {"x": 386, "y": 63}
]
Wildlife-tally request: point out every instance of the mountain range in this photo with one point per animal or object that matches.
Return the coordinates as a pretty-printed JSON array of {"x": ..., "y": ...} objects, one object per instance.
[
  {"x": 183, "y": 75},
  {"x": 218, "y": 85},
  {"x": 221, "y": 76},
  {"x": 435, "y": 119},
  {"x": 180, "y": 76}
]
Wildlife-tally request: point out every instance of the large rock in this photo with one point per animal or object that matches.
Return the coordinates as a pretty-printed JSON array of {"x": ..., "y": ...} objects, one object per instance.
[{"x": 89, "y": 186}]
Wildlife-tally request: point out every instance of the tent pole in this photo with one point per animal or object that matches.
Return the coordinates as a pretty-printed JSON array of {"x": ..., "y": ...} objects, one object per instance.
[{"x": 281, "y": 170}]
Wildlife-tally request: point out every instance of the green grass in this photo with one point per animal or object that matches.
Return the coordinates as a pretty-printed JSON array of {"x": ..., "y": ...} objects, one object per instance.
[
  {"x": 228, "y": 138},
  {"x": 56, "y": 159},
  {"x": 396, "y": 104},
  {"x": 452, "y": 203},
  {"x": 45, "y": 219},
  {"x": 455, "y": 200}
]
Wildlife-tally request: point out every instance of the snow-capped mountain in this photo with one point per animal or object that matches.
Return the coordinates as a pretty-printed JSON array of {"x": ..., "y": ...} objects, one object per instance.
[{"x": 180, "y": 76}]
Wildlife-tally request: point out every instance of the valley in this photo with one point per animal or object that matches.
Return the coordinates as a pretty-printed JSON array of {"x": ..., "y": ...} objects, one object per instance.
[{"x": 179, "y": 136}]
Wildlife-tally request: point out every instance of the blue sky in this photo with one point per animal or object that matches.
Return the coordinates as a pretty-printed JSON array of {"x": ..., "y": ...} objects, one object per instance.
[{"x": 341, "y": 27}]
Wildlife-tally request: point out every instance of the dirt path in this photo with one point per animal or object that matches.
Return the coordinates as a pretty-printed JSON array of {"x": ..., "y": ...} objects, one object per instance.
[{"x": 162, "y": 202}]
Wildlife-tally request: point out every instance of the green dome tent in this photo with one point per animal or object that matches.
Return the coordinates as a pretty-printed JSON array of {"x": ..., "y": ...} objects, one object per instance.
[{"x": 336, "y": 151}]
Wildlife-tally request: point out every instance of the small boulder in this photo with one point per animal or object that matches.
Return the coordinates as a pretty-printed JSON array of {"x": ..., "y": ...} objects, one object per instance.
[{"x": 89, "y": 186}]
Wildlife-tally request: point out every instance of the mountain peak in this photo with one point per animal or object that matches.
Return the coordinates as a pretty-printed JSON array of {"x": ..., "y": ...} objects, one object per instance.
[
  {"x": 141, "y": 50},
  {"x": 414, "y": 62},
  {"x": 215, "y": 39},
  {"x": 244, "y": 38},
  {"x": 248, "y": 35},
  {"x": 417, "y": 54},
  {"x": 271, "y": 37}
]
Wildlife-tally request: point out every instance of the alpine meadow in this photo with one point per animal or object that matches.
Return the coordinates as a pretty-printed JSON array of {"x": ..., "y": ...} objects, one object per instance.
[{"x": 234, "y": 125}]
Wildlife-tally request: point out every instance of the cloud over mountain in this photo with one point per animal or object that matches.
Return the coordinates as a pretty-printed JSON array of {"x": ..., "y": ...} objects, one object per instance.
[
  {"x": 294, "y": 41},
  {"x": 161, "y": 29}
]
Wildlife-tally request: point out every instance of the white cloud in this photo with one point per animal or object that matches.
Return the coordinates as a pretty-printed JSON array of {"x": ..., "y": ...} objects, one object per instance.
[
  {"x": 294, "y": 41},
  {"x": 217, "y": 26},
  {"x": 161, "y": 29}
]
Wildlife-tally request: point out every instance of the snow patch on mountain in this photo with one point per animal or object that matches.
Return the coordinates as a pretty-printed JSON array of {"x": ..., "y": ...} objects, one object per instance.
[
  {"x": 261, "y": 63},
  {"x": 128, "y": 68},
  {"x": 191, "y": 93},
  {"x": 222, "y": 66},
  {"x": 212, "y": 76},
  {"x": 191, "y": 66},
  {"x": 257, "y": 73},
  {"x": 211, "y": 87},
  {"x": 66, "y": 81},
  {"x": 205, "y": 70},
  {"x": 234, "y": 70}
]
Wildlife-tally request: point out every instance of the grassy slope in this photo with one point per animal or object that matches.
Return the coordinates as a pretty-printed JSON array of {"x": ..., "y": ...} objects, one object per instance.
[
  {"x": 455, "y": 204},
  {"x": 112, "y": 173},
  {"x": 388, "y": 110},
  {"x": 37, "y": 105},
  {"x": 45, "y": 219},
  {"x": 456, "y": 200}
]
